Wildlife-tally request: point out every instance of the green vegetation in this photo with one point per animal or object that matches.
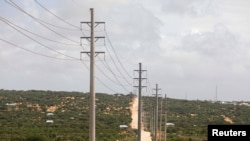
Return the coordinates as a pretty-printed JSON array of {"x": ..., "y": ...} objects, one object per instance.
[
  {"x": 192, "y": 117},
  {"x": 23, "y": 116}
]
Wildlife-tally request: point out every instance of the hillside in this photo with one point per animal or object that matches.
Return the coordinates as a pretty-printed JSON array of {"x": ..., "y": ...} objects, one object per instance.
[
  {"x": 63, "y": 116},
  {"x": 191, "y": 117}
]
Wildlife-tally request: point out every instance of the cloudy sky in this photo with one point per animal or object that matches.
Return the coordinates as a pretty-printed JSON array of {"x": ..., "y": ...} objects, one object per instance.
[{"x": 188, "y": 47}]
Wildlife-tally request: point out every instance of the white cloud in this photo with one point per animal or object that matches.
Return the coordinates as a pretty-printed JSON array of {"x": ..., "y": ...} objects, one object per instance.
[
  {"x": 220, "y": 42},
  {"x": 187, "y": 46},
  {"x": 189, "y": 7}
]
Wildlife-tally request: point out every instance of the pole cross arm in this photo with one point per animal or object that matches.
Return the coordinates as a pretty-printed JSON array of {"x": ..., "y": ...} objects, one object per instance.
[
  {"x": 141, "y": 86},
  {"x": 155, "y": 94},
  {"x": 96, "y": 53},
  {"x": 140, "y": 78},
  {"x": 89, "y": 23},
  {"x": 96, "y": 38}
]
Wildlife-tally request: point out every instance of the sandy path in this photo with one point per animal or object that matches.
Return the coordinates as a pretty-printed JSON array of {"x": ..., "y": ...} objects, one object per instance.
[{"x": 145, "y": 136}]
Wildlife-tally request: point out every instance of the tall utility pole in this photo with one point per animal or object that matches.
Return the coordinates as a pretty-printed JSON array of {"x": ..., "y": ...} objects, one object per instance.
[
  {"x": 92, "y": 55},
  {"x": 166, "y": 118},
  {"x": 152, "y": 121},
  {"x": 216, "y": 93},
  {"x": 140, "y": 71},
  {"x": 156, "y": 111},
  {"x": 160, "y": 119}
]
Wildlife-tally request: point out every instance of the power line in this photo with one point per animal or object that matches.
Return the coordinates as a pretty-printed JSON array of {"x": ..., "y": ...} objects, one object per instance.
[
  {"x": 119, "y": 83},
  {"x": 104, "y": 84},
  {"x": 106, "y": 65},
  {"x": 41, "y": 22},
  {"x": 117, "y": 66},
  {"x": 29, "y": 34},
  {"x": 76, "y": 3},
  {"x": 55, "y": 15},
  {"x": 149, "y": 88},
  {"x": 116, "y": 53},
  {"x": 42, "y": 43},
  {"x": 116, "y": 81},
  {"x": 8, "y": 23},
  {"x": 44, "y": 55},
  {"x": 37, "y": 20}
]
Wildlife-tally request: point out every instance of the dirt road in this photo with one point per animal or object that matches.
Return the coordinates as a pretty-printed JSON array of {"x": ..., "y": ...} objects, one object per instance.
[{"x": 145, "y": 136}]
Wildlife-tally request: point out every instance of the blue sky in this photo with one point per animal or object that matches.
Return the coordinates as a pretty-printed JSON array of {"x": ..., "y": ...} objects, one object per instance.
[{"x": 188, "y": 47}]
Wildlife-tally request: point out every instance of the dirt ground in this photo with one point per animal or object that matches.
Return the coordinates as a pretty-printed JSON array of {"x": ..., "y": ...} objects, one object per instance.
[{"x": 145, "y": 136}]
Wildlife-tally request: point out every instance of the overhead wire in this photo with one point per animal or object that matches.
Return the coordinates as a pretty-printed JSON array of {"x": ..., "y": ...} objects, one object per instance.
[
  {"x": 61, "y": 19},
  {"x": 119, "y": 83},
  {"x": 108, "y": 67},
  {"x": 82, "y": 33},
  {"x": 77, "y": 4},
  {"x": 9, "y": 22},
  {"x": 149, "y": 89},
  {"x": 105, "y": 85},
  {"x": 39, "y": 42},
  {"x": 116, "y": 81},
  {"x": 106, "y": 64},
  {"x": 106, "y": 76},
  {"x": 37, "y": 53},
  {"x": 44, "y": 55},
  {"x": 56, "y": 15},
  {"x": 116, "y": 55},
  {"x": 116, "y": 66},
  {"x": 42, "y": 22},
  {"x": 38, "y": 20}
]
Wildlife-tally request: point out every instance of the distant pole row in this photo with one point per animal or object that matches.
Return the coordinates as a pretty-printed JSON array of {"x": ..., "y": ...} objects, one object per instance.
[{"x": 92, "y": 114}]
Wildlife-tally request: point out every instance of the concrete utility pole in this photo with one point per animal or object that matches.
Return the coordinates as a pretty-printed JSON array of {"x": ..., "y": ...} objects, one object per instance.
[
  {"x": 152, "y": 121},
  {"x": 216, "y": 93},
  {"x": 156, "y": 111},
  {"x": 160, "y": 119},
  {"x": 140, "y": 71},
  {"x": 92, "y": 55},
  {"x": 166, "y": 115}
]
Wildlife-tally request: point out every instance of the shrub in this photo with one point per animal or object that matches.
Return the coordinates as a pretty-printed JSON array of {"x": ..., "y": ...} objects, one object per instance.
[{"x": 36, "y": 138}]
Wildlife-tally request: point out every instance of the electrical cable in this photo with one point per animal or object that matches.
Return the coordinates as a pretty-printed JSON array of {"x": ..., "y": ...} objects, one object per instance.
[
  {"x": 35, "y": 52},
  {"x": 115, "y": 52},
  {"x": 41, "y": 22},
  {"x": 116, "y": 66},
  {"x": 106, "y": 65},
  {"x": 37, "y": 20},
  {"x": 112, "y": 80},
  {"x": 41, "y": 43},
  {"x": 8, "y": 23},
  {"x": 56, "y": 15},
  {"x": 100, "y": 80}
]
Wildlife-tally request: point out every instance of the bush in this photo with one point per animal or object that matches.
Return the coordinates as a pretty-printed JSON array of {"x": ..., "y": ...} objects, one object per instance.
[{"x": 36, "y": 138}]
